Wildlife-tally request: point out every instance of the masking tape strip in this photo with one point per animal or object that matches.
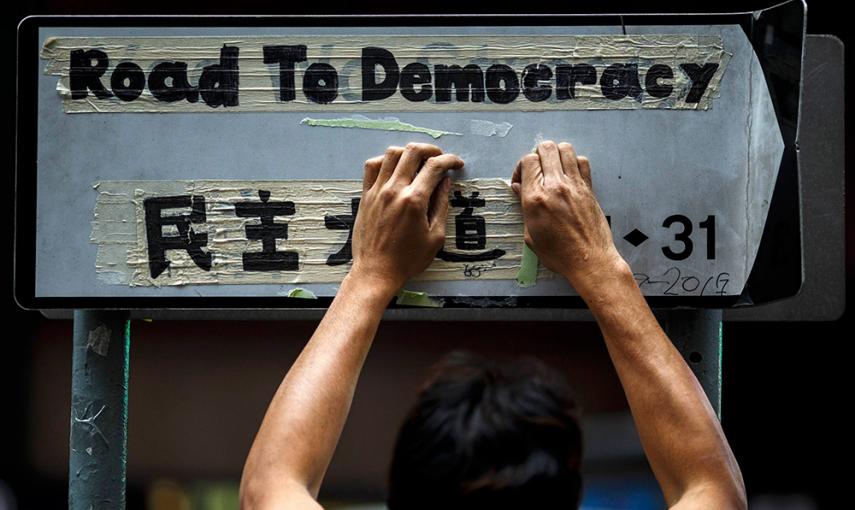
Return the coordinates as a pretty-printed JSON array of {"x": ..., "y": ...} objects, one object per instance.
[
  {"x": 453, "y": 73},
  {"x": 212, "y": 232}
]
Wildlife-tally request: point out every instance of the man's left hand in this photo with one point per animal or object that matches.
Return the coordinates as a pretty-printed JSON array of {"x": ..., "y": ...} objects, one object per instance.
[{"x": 400, "y": 225}]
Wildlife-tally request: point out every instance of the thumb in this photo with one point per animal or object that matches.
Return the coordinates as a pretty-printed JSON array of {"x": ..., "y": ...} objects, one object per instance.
[{"x": 439, "y": 206}]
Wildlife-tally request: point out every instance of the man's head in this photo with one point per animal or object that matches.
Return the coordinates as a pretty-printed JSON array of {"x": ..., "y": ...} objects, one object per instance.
[{"x": 484, "y": 435}]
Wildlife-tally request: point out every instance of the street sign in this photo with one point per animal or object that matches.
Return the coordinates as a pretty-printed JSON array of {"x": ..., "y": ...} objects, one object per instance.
[{"x": 205, "y": 162}]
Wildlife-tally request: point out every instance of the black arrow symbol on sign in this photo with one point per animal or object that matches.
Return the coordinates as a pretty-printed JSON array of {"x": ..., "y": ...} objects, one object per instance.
[{"x": 636, "y": 237}]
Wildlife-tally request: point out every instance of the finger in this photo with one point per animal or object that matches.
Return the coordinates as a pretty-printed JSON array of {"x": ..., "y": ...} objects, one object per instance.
[
  {"x": 585, "y": 170},
  {"x": 570, "y": 162},
  {"x": 390, "y": 161},
  {"x": 550, "y": 161},
  {"x": 516, "y": 178},
  {"x": 369, "y": 176},
  {"x": 411, "y": 161},
  {"x": 532, "y": 175},
  {"x": 438, "y": 213},
  {"x": 433, "y": 171}
]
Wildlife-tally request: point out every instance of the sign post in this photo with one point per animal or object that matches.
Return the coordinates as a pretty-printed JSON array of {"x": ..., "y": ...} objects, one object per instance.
[
  {"x": 697, "y": 335},
  {"x": 99, "y": 410}
]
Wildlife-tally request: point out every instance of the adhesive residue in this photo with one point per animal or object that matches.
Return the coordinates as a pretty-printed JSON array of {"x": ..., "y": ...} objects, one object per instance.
[
  {"x": 99, "y": 340},
  {"x": 487, "y": 128},
  {"x": 386, "y": 124}
]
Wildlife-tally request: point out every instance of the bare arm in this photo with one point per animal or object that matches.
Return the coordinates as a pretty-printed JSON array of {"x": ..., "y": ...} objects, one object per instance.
[
  {"x": 679, "y": 431},
  {"x": 399, "y": 228}
]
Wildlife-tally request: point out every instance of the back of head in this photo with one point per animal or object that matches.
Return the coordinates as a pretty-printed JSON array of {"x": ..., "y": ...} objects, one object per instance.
[{"x": 484, "y": 435}]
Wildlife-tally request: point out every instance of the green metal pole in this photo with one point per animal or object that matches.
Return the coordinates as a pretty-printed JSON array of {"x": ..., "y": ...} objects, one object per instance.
[
  {"x": 697, "y": 335},
  {"x": 99, "y": 410}
]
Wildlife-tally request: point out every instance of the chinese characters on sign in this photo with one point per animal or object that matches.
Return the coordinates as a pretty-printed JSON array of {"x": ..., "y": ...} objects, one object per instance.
[
  {"x": 192, "y": 232},
  {"x": 470, "y": 233},
  {"x": 159, "y": 233}
]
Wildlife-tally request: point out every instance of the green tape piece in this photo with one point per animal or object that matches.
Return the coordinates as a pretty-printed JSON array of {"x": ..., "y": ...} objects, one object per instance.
[
  {"x": 381, "y": 124},
  {"x": 410, "y": 298},
  {"x": 301, "y": 293},
  {"x": 527, "y": 275}
]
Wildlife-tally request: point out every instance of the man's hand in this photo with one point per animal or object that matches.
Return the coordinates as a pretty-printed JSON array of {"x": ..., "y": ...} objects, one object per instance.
[
  {"x": 401, "y": 221},
  {"x": 567, "y": 229},
  {"x": 399, "y": 228},
  {"x": 564, "y": 223}
]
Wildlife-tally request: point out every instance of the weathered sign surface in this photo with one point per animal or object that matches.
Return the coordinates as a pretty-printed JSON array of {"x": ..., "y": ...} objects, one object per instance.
[{"x": 223, "y": 161}]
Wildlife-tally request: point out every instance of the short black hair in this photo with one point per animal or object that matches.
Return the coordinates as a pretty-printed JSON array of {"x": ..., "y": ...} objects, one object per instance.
[{"x": 488, "y": 435}]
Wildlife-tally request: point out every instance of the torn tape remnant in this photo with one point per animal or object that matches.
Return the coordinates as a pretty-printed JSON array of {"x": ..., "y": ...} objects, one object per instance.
[
  {"x": 390, "y": 124},
  {"x": 488, "y": 128},
  {"x": 301, "y": 293},
  {"x": 99, "y": 340},
  {"x": 412, "y": 298},
  {"x": 527, "y": 275}
]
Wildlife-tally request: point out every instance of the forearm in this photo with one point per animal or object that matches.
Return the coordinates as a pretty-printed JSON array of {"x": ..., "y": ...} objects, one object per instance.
[
  {"x": 568, "y": 230},
  {"x": 678, "y": 428},
  {"x": 305, "y": 418},
  {"x": 397, "y": 232}
]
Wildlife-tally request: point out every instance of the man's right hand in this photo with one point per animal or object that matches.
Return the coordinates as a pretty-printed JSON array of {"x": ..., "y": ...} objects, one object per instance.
[
  {"x": 567, "y": 229},
  {"x": 564, "y": 223}
]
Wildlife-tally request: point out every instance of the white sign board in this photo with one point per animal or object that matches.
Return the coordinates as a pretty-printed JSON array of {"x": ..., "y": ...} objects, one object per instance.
[{"x": 225, "y": 161}]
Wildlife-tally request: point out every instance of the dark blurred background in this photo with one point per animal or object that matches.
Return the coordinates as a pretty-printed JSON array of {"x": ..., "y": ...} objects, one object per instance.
[{"x": 198, "y": 390}]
